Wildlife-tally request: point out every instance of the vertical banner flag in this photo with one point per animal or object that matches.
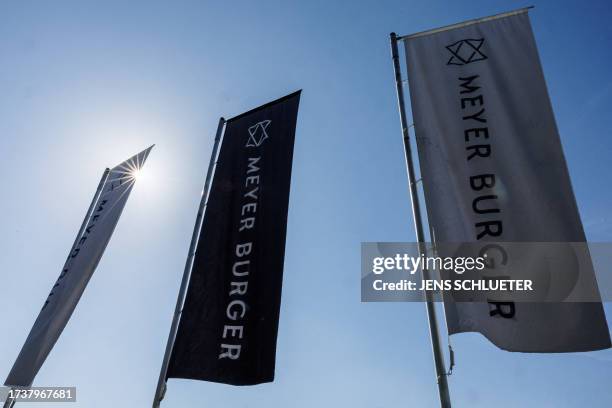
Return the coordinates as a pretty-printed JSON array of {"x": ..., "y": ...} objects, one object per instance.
[
  {"x": 228, "y": 327},
  {"x": 78, "y": 269},
  {"x": 493, "y": 170}
]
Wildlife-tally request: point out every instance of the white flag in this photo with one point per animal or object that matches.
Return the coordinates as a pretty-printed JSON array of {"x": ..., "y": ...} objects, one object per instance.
[
  {"x": 77, "y": 271},
  {"x": 493, "y": 170}
]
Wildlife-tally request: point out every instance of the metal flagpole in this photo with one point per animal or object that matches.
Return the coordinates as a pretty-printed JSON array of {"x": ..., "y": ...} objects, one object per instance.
[
  {"x": 9, "y": 402},
  {"x": 418, "y": 227},
  {"x": 161, "y": 383}
]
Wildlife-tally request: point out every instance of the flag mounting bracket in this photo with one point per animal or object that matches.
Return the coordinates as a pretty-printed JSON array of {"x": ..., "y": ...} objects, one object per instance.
[
  {"x": 451, "y": 363},
  {"x": 465, "y": 23}
]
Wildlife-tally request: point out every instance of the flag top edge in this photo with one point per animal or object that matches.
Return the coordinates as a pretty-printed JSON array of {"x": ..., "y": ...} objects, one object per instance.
[
  {"x": 464, "y": 24},
  {"x": 144, "y": 152},
  {"x": 279, "y": 100}
]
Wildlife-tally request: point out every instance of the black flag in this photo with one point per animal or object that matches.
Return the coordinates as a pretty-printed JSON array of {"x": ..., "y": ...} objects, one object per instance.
[{"x": 228, "y": 328}]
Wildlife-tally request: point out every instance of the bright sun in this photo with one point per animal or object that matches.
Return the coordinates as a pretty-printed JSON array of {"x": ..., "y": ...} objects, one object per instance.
[{"x": 136, "y": 173}]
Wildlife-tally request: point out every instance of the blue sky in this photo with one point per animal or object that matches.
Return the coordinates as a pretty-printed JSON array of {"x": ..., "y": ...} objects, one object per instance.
[{"x": 87, "y": 84}]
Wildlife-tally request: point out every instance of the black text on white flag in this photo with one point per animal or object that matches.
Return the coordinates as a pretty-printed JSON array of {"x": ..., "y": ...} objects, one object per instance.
[
  {"x": 493, "y": 171},
  {"x": 78, "y": 269}
]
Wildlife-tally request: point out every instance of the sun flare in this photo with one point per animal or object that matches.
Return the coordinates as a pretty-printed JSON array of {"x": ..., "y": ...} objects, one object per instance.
[{"x": 136, "y": 173}]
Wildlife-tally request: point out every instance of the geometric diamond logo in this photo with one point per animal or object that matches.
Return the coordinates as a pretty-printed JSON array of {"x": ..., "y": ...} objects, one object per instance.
[
  {"x": 466, "y": 51},
  {"x": 257, "y": 133}
]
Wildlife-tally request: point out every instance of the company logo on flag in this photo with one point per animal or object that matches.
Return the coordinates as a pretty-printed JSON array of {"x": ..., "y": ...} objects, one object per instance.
[
  {"x": 470, "y": 173},
  {"x": 86, "y": 252},
  {"x": 257, "y": 133},
  {"x": 466, "y": 51},
  {"x": 229, "y": 324}
]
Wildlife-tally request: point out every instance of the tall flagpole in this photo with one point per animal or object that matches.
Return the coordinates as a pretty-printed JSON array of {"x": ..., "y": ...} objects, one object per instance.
[
  {"x": 161, "y": 383},
  {"x": 9, "y": 402},
  {"x": 418, "y": 227}
]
